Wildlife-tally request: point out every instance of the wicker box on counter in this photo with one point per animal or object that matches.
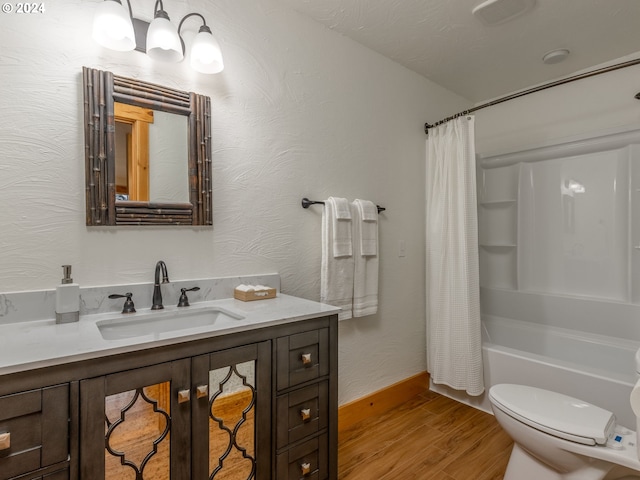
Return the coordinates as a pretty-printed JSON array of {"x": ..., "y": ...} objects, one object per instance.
[{"x": 252, "y": 295}]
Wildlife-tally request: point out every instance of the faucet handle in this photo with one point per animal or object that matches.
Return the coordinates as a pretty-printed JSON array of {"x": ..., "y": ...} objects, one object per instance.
[
  {"x": 128, "y": 306},
  {"x": 184, "y": 301}
]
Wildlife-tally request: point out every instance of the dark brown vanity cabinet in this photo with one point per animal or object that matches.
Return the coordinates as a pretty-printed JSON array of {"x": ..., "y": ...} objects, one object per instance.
[
  {"x": 260, "y": 404},
  {"x": 34, "y": 434}
]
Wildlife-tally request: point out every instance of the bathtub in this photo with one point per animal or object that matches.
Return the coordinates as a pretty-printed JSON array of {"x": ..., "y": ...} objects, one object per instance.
[{"x": 596, "y": 368}]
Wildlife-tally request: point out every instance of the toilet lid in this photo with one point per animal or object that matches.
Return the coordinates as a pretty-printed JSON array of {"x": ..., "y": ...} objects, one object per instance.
[{"x": 553, "y": 413}]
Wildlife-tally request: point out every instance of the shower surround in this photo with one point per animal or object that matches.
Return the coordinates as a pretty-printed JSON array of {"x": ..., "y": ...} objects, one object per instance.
[{"x": 559, "y": 238}]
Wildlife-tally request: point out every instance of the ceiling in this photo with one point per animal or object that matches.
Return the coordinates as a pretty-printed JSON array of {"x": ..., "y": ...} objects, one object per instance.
[{"x": 443, "y": 41}]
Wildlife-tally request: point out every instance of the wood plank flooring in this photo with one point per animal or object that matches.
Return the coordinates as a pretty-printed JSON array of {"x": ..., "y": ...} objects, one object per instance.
[{"x": 430, "y": 437}]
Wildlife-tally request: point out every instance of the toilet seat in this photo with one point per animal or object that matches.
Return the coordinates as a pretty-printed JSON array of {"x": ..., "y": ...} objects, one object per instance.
[{"x": 556, "y": 414}]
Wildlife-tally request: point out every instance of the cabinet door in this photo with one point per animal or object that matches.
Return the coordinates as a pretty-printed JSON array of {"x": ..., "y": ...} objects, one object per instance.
[
  {"x": 231, "y": 416},
  {"x": 134, "y": 425}
]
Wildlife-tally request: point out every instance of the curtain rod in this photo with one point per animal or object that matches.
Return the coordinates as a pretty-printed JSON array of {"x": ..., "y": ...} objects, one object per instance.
[{"x": 580, "y": 76}]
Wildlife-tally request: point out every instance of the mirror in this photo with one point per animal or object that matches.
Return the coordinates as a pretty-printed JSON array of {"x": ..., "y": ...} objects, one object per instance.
[
  {"x": 160, "y": 137},
  {"x": 142, "y": 133}
]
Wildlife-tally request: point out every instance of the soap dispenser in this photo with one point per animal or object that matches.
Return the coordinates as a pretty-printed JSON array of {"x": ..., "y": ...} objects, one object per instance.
[{"x": 67, "y": 298}]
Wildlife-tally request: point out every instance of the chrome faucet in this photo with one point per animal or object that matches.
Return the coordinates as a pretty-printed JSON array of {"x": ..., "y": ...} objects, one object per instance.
[{"x": 157, "y": 293}]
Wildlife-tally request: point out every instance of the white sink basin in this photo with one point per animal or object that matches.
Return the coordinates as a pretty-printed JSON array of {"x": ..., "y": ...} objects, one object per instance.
[{"x": 158, "y": 322}]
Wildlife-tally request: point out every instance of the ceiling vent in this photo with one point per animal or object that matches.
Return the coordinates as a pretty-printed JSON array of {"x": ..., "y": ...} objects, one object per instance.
[{"x": 495, "y": 12}]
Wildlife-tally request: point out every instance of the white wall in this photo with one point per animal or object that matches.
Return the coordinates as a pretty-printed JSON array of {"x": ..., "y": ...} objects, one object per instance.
[{"x": 298, "y": 111}]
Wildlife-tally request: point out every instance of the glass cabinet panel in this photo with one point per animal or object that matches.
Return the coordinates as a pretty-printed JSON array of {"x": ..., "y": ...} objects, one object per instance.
[
  {"x": 231, "y": 422},
  {"x": 137, "y": 434},
  {"x": 135, "y": 424},
  {"x": 226, "y": 414}
]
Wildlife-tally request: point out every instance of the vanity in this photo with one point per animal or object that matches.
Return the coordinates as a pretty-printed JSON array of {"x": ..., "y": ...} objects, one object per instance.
[
  {"x": 229, "y": 390},
  {"x": 212, "y": 388}
]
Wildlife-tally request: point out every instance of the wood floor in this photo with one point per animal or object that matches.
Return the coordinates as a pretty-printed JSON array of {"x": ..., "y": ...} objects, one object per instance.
[{"x": 430, "y": 437}]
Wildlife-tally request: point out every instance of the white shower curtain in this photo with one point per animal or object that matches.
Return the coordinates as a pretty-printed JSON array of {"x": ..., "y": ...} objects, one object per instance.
[{"x": 454, "y": 345}]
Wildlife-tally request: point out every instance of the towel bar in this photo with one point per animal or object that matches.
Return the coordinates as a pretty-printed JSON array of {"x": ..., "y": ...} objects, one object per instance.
[{"x": 306, "y": 203}]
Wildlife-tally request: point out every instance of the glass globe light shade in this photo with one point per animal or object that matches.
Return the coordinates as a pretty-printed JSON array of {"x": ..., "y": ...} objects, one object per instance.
[
  {"x": 112, "y": 27},
  {"x": 206, "y": 56},
  {"x": 163, "y": 41}
]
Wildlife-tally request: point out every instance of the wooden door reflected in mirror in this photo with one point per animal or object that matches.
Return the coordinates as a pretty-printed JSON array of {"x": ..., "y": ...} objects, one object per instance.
[
  {"x": 132, "y": 152},
  {"x": 149, "y": 147}
]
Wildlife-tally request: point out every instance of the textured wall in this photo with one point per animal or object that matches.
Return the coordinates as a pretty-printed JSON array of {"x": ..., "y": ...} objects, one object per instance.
[{"x": 298, "y": 111}]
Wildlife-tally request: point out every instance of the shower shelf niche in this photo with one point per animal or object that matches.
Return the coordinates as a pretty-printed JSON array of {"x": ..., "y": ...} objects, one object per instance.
[
  {"x": 497, "y": 222},
  {"x": 497, "y": 202},
  {"x": 497, "y": 227}
]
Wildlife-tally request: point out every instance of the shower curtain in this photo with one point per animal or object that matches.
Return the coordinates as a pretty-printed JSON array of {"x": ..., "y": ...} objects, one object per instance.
[{"x": 454, "y": 344}]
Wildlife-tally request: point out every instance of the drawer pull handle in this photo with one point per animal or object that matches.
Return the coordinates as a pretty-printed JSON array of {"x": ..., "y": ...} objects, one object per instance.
[
  {"x": 202, "y": 391},
  {"x": 184, "y": 396},
  {"x": 5, "y": 441},
  {"x": 305, "y": 469},
  {"x": 306, "y": 359},
  {"x": 305, "y": 413}
]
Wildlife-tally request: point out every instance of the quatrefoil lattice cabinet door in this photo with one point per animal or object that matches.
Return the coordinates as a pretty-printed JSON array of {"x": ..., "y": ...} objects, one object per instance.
[
  {"x": 231, "y": 416},
  {"x": 135, "y": 424}
]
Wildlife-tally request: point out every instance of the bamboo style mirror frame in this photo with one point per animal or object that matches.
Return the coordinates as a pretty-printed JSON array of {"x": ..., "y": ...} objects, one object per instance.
[{"x": 101, "y": 90}]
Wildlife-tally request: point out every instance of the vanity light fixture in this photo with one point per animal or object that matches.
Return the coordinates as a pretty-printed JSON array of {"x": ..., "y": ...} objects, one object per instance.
[{"x": 114, "y": 27}]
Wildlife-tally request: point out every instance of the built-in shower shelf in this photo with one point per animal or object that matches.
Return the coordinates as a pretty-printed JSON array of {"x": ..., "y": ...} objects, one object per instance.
[{"x": 497, "y": 245}]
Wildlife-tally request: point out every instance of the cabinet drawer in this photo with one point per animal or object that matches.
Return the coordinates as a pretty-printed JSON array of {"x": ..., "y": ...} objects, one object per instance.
[
  {"x": 306, "y": 461},
  {"x": 302, "y": 413},
  {"x": 34, "y": 430},
  {"x": 302, "y": 357},
  {"x": 59, "y": 475}
]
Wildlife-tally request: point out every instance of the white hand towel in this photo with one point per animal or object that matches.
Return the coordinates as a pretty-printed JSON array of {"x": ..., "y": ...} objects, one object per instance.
[
  {"x": 341, "y": 226},
  {"x": 341, "y": 208},
  {"x": 368, "y": 238},
  {"x": 336, "y": 272},
  {"x": 365, "y": 278}
]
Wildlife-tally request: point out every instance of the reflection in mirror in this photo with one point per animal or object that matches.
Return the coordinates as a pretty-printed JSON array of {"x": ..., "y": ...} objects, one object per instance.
[
  {"x": 142, "y": 134},
  {"x": 168, "y": 179},
  {"x": 137, "y": 431},
  {"x": 232, "y": 421},
  {"x": 142, "y": 166}
]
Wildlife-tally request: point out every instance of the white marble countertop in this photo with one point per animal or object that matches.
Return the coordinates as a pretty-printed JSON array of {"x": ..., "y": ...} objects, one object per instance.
[{"x": 42, "y": 343}]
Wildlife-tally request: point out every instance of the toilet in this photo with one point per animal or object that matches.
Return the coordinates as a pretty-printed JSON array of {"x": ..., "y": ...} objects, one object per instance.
[{"x": 557, "y": 437}]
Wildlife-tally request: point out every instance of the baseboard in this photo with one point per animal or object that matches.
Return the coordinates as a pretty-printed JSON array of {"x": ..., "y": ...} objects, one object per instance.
[{"x": 382, "y": 400}]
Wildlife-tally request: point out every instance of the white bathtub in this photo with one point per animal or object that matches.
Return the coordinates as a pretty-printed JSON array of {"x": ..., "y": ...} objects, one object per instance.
[{"x": 596, "y": 368}]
